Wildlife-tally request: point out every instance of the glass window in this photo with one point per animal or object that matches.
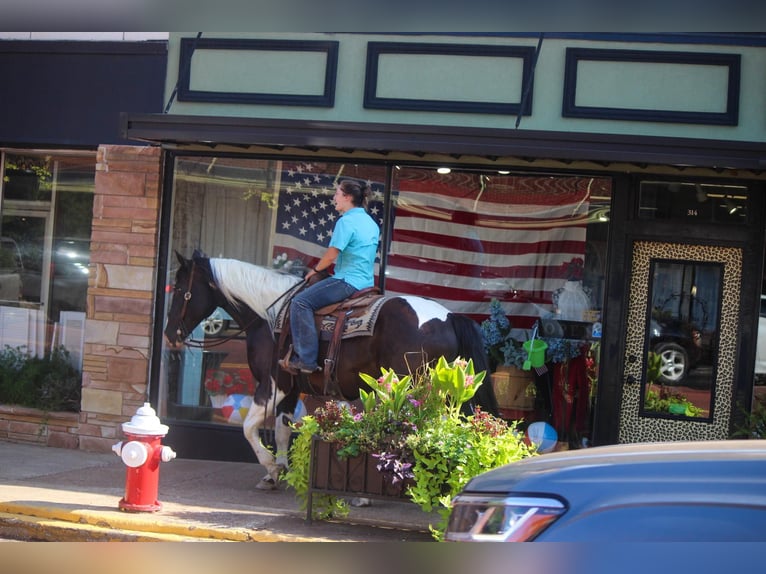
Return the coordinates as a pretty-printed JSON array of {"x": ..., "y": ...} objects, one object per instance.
[
  {"x": 698, "y": 202},
  {"x": 683, "y": 338},
  {"x": 45, "y": 229},
  {"x": 534, "y": 245}
]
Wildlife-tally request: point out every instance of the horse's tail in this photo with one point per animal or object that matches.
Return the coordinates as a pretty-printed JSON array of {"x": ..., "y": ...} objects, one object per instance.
[{"x": 470, "y": 345}]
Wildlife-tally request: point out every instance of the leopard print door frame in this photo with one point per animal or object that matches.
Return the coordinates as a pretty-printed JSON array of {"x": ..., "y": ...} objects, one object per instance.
[{"x": 636, "y": 428}]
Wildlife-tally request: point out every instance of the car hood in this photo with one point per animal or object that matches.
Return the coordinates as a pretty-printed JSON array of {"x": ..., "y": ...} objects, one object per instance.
[{"x": 548, "y": 472}]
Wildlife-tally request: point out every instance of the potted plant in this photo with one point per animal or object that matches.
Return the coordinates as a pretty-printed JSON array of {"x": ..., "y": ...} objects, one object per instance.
[
  {"x": 663, "y": 399},
  {"x": 414, "y": 430},
  {"x": 513, "y": 386}
]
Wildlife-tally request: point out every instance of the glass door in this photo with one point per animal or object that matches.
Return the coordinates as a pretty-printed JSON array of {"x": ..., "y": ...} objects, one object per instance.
[{"x": 678, "y": 368}]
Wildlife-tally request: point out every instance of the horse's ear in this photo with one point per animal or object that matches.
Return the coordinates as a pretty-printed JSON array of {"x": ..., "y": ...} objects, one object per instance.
[
  {"x": 198, "y": 254},
  {"x": 181, "y": 259}
]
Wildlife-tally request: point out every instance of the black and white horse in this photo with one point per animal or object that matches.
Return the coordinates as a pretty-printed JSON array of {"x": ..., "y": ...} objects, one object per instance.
[{"x": 408, "y": 330}]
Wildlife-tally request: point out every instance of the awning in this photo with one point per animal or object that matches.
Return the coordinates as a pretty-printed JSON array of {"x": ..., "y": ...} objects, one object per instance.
[{"x": 434, "y": 143}]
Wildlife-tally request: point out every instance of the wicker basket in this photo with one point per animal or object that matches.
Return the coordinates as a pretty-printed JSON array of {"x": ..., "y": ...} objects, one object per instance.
[{"x": 510, "y": 385}]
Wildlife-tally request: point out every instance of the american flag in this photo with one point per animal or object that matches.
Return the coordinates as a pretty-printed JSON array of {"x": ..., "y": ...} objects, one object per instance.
[
  {"x": 462, "y": 239},
  {"x": 306, "y": 212}
]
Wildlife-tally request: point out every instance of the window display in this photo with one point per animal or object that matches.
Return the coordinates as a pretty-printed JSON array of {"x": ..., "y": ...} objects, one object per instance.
[{"x": 532, "y": 245}]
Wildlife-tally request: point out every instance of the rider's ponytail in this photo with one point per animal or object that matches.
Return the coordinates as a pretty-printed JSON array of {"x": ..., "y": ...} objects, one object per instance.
[{"x": 358, "y": 191}]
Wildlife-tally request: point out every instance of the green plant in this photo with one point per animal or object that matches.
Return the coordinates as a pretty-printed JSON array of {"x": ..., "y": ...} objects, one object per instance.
[
  {"x": 754, "y": 422},
  {"x": 663, "y": 399},
  {"x": 414, "y": 427},
  {"x": 49, "y": 383}
]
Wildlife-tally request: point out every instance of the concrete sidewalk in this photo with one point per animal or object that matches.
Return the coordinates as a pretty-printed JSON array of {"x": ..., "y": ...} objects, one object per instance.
[{"x": 71, "y": 495}]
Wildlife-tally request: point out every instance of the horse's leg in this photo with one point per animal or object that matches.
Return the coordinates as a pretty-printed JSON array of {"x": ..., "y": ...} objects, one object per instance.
[
  {"x": 255, "y": 419},
  {"x": 282, "y": 432}
]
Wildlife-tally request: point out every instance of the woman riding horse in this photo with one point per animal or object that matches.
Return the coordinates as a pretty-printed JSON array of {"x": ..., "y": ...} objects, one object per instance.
[{"x": 407, "y": 332}]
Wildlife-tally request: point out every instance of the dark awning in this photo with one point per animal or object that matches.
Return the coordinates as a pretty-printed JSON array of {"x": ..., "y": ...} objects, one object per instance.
[{"x": 459, "y": 143}]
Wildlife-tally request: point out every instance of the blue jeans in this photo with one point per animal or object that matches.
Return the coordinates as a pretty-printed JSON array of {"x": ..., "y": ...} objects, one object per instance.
[{"x": 304, "y": 332}]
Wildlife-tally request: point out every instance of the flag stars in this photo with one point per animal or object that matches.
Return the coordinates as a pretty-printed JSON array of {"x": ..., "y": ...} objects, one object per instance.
[{"x": 303, "y": 231}]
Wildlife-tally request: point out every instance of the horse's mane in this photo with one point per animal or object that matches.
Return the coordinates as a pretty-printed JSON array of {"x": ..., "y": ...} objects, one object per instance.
[{"x": 255, "y": 286}]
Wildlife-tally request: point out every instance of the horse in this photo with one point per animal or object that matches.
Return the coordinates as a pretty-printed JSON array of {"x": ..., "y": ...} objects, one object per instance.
[{"x": 406, "y": 327}]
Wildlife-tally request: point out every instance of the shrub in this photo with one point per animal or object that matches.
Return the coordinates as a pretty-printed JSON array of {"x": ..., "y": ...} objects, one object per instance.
[{"x": 49, "y": 383}]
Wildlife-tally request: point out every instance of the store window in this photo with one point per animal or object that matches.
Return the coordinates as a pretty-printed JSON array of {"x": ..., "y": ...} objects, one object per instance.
[
  {"x": 45, "y": 228},
  {"x": 531, "y": 248}
]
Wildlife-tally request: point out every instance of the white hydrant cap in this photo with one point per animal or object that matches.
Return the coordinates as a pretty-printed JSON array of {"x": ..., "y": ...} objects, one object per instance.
[
  {"x": 134, "y": 454},
  {"x": 145, "y": 422}
]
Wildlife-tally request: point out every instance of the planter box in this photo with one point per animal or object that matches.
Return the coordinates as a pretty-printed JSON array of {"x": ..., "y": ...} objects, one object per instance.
[
  {"x": 352, "y": 476},
  {"x": 510, "y": 385}
]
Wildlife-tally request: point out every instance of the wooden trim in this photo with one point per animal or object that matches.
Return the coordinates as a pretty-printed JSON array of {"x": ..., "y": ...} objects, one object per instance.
[
  {"x": 376, "y": 49},
  {"x": 575, "y": 55},
  {"x": 190, "y": 45}
]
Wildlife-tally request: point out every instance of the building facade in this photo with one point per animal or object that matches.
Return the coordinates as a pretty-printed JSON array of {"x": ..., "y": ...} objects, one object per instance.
[
  {"x": 605, "y": 191},
  {"x": 78, "y": 227}
]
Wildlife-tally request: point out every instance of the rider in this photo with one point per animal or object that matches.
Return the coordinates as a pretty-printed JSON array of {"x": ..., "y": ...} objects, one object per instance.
[{"x": 352, "y": 249}]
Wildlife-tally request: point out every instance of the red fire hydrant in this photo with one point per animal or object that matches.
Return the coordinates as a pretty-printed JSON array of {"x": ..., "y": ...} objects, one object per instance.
[{"x": 142, "y": 453}]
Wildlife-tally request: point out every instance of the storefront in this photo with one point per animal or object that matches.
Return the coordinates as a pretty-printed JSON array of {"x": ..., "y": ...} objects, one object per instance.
[
  {"x": 629, "y": 237},
  {"x": 62, "y": 99}
]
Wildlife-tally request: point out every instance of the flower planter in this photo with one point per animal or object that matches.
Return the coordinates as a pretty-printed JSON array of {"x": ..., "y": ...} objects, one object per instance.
[{"x": 351, "y": 476}]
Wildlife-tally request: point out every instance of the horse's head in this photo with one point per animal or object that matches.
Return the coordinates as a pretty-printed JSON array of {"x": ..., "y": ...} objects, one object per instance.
[{"x": 193, "y": 298}]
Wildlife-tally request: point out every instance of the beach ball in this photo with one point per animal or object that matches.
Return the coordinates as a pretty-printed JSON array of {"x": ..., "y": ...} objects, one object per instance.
[
  {"x": 542, "y": 435},
  {"x": 235, "y": 408},
  {"x": 300, "y": 411}
]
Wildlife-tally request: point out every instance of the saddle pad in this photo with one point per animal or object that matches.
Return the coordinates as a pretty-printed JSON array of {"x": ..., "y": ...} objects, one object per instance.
[{"x": 359, "y": 326}]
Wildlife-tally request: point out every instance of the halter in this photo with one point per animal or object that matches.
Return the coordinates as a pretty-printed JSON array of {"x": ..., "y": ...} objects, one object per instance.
[{"x": 183, "y": 334}]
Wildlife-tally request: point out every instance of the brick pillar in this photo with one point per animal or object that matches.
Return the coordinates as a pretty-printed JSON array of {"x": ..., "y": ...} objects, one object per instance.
[{"x": 120, "y": 292}]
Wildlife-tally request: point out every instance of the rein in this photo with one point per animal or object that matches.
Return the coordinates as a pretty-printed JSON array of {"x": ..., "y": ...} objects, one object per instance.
[{"x": 202, "y": 344}]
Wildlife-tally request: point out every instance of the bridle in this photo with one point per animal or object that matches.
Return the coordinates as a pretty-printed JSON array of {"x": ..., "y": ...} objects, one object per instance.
[
  {"x": 184, "y": 335},
  {"x": 187, "y": 298}
]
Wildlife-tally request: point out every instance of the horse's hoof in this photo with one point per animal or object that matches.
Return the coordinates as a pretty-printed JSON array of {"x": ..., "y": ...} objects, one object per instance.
[
  {"x": 266, "y": 483},
  {"x": 360, "y": 502}
]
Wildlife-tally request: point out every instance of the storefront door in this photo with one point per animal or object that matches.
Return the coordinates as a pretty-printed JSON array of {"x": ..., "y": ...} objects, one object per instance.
[
  {"x": 681, "y": 318},
  {"x": 681, "y": 342}
]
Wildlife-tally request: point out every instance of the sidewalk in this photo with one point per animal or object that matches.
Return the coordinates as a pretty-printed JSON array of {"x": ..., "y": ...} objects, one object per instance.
[{"x": 71, "y": 495}]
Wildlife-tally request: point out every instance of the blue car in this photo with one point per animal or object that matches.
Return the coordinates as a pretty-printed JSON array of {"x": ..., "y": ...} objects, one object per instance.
[{"x": 652, "y": 492}]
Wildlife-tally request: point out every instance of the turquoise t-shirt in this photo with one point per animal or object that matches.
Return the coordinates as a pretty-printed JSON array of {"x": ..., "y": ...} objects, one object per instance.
[{"x": 356, "y": 237}]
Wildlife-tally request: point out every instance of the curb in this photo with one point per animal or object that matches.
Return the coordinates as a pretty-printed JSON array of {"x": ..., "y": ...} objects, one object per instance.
[{"x": 51, "y": 524}]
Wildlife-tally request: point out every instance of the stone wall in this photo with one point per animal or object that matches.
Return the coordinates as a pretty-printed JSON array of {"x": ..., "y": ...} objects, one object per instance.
[
  {"x": 22, "y": 424},
  {"x": 121, "y": 292}
]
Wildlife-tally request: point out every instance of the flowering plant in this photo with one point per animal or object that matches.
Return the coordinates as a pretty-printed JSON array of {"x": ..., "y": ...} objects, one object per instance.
[
  {"x": 501, "y": 347},
  {"x": 573, "y": 270},
  {"x": 282, "y": 262},
  {"x": 417, "y": 430}
]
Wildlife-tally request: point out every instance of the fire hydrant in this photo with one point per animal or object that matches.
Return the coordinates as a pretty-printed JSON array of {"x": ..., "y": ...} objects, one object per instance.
[{"x": 142, "y": 453}]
